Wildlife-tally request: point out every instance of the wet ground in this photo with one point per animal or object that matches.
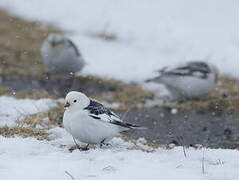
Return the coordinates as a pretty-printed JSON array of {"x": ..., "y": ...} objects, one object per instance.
[{"x": 187, "y": 128}]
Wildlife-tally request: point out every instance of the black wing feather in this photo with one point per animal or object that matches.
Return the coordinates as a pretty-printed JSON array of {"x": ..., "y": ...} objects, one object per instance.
[
  {"x": 97, "y": 108},
  {"x": 196, "y": 68},
  {"x": 124, "y": 124},
  {"x": 95, "y": 117},
  {"x": 74, "y": 47}
]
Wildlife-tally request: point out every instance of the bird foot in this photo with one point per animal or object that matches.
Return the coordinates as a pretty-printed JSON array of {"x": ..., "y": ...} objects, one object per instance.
[
  {"x": 105, "y": 144},
  {"x": 84, "y": 148}
]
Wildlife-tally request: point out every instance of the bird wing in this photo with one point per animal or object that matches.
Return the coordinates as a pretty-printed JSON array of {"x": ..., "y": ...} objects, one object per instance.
[
  {"x": 71, "y": 44},
  {"x": 195, "y": 68},
  {"x": 96, "y": 108},
  {"x": 98, "y": 111}
]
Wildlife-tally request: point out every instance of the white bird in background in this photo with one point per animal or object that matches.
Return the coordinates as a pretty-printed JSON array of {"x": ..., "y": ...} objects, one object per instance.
[
  {"x": 90, "y": 122},
  {"x": 61, "y": 56},
  {"x": 188, "y": 81}
]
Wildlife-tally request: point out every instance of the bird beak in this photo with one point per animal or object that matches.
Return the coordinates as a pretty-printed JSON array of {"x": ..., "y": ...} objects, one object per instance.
[{"x": 67, "y": 105}]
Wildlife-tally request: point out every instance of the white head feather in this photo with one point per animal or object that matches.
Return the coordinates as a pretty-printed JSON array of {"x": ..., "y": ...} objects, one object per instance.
[
  {"x": 56, "y": 39},
  {"x": 76, "y": 101}
]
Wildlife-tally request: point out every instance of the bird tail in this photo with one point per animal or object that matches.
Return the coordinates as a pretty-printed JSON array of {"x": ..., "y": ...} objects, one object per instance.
[
  {"x": 159, "y": 77},
  {"x": 132, "y": 126},
  {"x": 127, "y": 125},
  {"x": 155, "y": 79}
]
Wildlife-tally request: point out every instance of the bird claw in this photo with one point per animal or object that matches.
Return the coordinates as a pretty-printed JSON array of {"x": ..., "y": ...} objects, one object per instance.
[
  {"x": 85, "y": 148},
  {"x": 105, "y": 144},
  {"x": 73, "y": 148}
]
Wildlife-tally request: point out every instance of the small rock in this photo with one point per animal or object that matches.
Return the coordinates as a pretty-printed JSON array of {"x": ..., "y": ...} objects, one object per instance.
[{"x": 174, "y": 111}]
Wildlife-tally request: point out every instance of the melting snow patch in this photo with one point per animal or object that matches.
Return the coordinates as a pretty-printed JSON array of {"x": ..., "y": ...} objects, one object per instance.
[{"x": 12, "y": 109}]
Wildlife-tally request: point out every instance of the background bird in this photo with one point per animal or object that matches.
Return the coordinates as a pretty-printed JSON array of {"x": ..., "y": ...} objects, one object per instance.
[
  {"x": 188, "y": 81},
  {"x": 61, "y": 56},
  {"x": 90, "y": 122}
]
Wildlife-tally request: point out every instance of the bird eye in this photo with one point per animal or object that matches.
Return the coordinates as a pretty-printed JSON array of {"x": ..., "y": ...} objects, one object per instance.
[{"x": 75, "y": 101}]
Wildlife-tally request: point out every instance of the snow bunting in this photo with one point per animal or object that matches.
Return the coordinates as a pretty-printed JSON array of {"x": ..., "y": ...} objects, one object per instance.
[
  {"x": 61, "y": 56},
  {"x": 90, "y": 122},
  {"x": 188, "y": 81}
]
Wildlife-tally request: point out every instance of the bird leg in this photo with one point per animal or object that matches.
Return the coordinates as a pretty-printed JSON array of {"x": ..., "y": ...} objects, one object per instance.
[
  {"x": 86, "y": 148},
  {"x": 78, "y": 147}
]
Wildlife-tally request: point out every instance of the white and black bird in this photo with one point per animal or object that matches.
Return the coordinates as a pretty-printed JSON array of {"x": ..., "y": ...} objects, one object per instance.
[
  {"x": 188, "y": 81},
  {"x": 61, "y": 56},
  {"x": 90, "y": 122}
]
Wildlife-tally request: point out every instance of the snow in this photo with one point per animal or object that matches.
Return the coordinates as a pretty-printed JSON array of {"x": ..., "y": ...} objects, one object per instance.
[
  {"x": 14, "y": 109},
  {"x": 152, "y": 34}
]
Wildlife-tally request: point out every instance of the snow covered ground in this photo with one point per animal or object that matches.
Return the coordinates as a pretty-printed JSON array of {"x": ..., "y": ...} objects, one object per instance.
[
  {"x": 151, "y": 34},
  {"x": 27, "y": 159},
  {"x": 14, "y": 109}
]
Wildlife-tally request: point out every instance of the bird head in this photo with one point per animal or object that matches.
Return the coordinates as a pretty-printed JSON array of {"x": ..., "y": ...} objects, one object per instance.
[
  {"x": 56, "y": 39},
  {"x": 76, "y": 100}
]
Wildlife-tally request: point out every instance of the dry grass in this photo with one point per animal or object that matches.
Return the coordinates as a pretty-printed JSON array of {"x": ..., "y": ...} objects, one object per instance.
[
  {"x": 104, "y": 34},
  {"x": 44, "y": 119},
  {"x": 29, "y": 126},
  {"x": 20, "y": 42},
  {"x": 6, "y": 92},
  {"x": 24, "y": 132},
  {"x": 107, "y": 36},
  {"x": 128, "y": 96},
  {"x": 131, "y": 94},
  {"x": 32, "y": 95}
]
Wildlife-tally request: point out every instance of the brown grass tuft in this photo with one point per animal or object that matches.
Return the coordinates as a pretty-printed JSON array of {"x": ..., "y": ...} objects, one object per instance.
[
  {"x": 107, "y": 36},
  {"x": 24, "y": 132},
  {"x": 29, "y": 126},
  {"x": 20, "y": 43},
  {"x": 127, "y": 95},
  {"x": 44, "y": 119}
]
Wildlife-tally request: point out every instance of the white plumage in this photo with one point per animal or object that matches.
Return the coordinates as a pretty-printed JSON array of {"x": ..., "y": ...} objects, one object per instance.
[
  {"x": 89, "y": 121},
  {"x": 61, "y": 56},
  {"x": 190, "y": 80}
]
